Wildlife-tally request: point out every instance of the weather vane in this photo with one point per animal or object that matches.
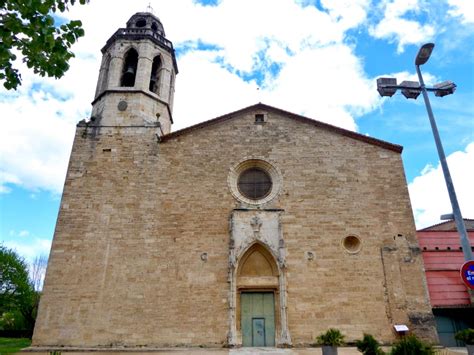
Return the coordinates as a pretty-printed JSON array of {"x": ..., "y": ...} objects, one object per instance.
[{"x": 149, "y": 8}]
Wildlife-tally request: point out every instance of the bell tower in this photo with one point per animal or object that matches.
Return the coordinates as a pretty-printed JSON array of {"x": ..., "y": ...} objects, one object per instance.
[{"x": 137, "y": 76}]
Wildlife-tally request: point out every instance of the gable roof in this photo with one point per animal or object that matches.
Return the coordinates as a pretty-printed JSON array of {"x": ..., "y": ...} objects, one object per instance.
[
  {"x": 449, "y": 226},
  {"x": 299, "y": 118}
]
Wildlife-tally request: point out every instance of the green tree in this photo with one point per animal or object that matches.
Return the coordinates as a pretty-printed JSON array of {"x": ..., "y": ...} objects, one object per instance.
[
  {"x": 17, "y": 295},
  {"x": 28, "y": 28}
]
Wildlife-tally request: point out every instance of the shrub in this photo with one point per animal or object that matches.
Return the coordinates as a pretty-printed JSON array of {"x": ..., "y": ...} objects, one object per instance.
[
  {"x": 466, "y": 335},
  {"x": 411, "y": 345},
  {"x": 332, "y": 337},
  {"x": 368, "y": 345}
]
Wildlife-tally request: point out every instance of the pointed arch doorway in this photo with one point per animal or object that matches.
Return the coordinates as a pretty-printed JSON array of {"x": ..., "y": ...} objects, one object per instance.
[
  {"x": 257, "y": 280},
  {"x": 257, "y": 287}
]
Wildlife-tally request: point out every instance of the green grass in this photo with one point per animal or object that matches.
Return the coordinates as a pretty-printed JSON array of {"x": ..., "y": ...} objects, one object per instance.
[{"x": 12, "y": 345}]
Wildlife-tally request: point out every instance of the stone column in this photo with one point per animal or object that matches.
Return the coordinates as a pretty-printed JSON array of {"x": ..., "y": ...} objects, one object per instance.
[
  {"x": 285, "y": 338},
  {"x": 142, "y": 79},
  {"x": 164, "y": 84},
  {"x": 115, "y": 72},
  {"x": 232, "y": 334}
]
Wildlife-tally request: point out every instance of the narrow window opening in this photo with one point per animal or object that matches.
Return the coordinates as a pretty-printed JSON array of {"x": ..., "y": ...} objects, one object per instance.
[
  {"x": 155, "y": 75},
  {"x": 259, "y": 118},
  {"x": 154, "y": 26},
  {"x": 141, "y": 23},
  {"x": 129, "y": 71}
]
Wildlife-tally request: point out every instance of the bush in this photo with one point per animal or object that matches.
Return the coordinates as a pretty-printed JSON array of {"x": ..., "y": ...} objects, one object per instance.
[
  {"x": 27, "y": 334},
  {"x": 12, "y": 320},
  {"x": 466, "y": 335},
  {"x": 368, "y": 345},
  {"x": 333, "y": 337},
  {"x": 411, "y": 345}
]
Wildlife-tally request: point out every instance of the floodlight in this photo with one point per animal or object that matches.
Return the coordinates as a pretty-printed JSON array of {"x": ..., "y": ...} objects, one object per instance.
[
  {"x": 445, "y": 88},
  {"x": 386, "y": 86},
  {"x": 424, "y": 53},
  {"x": 411, "y": 89},
  {"x": 447, "y": 217}
]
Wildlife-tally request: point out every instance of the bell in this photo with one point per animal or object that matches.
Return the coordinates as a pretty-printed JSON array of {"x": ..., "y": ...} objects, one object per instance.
[
  {"x": 152, "y": 86},
  {"x": 128, "y": 78}
]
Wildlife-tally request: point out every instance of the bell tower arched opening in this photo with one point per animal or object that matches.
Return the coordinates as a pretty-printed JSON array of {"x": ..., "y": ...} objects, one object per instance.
[
  {"x": 129, "y": 71},
  {"x": 155, "y": 75},
  {"x": 136, "y": 80}
]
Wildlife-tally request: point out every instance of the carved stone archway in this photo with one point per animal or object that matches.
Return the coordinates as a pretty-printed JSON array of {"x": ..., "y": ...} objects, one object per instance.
[{"x": 257, "y": 256}]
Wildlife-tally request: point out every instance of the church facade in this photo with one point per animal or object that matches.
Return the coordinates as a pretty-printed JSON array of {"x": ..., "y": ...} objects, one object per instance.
[{"x": 257, "y": 228}]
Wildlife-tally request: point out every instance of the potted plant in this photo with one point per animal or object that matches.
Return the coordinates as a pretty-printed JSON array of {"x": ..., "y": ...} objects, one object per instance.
[
  {"x": 330, "y": 341},
  {"x": 368, "y": 345},
  {"x": 411, "y": 345},
  {"x": 467, "y": 336}
]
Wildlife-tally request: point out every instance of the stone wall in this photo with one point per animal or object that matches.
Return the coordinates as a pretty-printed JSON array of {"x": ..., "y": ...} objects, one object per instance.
[{"x": 137, "y": 215}]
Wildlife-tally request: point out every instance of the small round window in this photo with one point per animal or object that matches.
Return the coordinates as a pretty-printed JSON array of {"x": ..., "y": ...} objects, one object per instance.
[
  {"x": 254, "y": 183},
  {"x": 352, "y": 244}
]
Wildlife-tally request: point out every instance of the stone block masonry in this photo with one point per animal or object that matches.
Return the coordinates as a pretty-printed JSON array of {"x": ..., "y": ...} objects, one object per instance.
[{"x": 127, "y": 266}]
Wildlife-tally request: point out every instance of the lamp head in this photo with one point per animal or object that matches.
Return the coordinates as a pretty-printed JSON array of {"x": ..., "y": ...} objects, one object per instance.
[
  {"x": 424, "y": 53},
  {"x": 386, "y": 86},
  {"x": 445, "y": 88},
  {"x": 411, "y": 90}
]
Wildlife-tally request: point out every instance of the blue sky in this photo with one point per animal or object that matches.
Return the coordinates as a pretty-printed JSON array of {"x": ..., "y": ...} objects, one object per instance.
[{"x": 315, "y": 58}]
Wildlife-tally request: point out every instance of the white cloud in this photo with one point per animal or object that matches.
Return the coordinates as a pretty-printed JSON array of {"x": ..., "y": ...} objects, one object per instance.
[
  {"x": 38, "y": 120},
  {"x": 30, "y": 248},
  {"x": 394, "y": 27},
  {"x": 348, "y": 13},
  {"x": 38, "y": 123},
  {"x": 428, "y": 192},
  {"x": 23, "y": 233},
  {"x": 463, "y": 9},
  {"x": 34, "y": 142},
  {"x": 199, "y": 98},
  {"x": 311, "y": 53},
  {"x": 316, "y": 81}
]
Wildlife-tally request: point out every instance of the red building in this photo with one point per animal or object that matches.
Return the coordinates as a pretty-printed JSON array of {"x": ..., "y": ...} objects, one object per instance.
[{"x": 452, "y": 304}]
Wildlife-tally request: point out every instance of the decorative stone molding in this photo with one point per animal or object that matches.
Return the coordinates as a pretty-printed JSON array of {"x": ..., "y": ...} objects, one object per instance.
[
  {"x": 254, "y": 162},
  {"x": 248, "y": 227}
]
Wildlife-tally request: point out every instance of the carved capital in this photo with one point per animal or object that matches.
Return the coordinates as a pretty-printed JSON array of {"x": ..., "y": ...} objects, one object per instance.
[{"x": 282, "y": 262}]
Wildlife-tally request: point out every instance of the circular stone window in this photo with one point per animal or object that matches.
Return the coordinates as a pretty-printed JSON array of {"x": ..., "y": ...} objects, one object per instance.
[
  {"x": 352, "y": 244},
  {"x": 254, "y": 181}
]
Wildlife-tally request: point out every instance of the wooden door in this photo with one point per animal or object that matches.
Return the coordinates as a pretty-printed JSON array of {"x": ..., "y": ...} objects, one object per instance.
[{"x": 257, "y": 318}]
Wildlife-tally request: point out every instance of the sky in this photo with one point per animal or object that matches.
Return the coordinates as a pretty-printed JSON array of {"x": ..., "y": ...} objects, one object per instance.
[{"x": 317, "y": 58}]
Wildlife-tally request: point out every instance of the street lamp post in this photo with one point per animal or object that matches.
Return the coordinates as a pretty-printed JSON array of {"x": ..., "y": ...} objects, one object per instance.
[{"x": 388, "y": 86}]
